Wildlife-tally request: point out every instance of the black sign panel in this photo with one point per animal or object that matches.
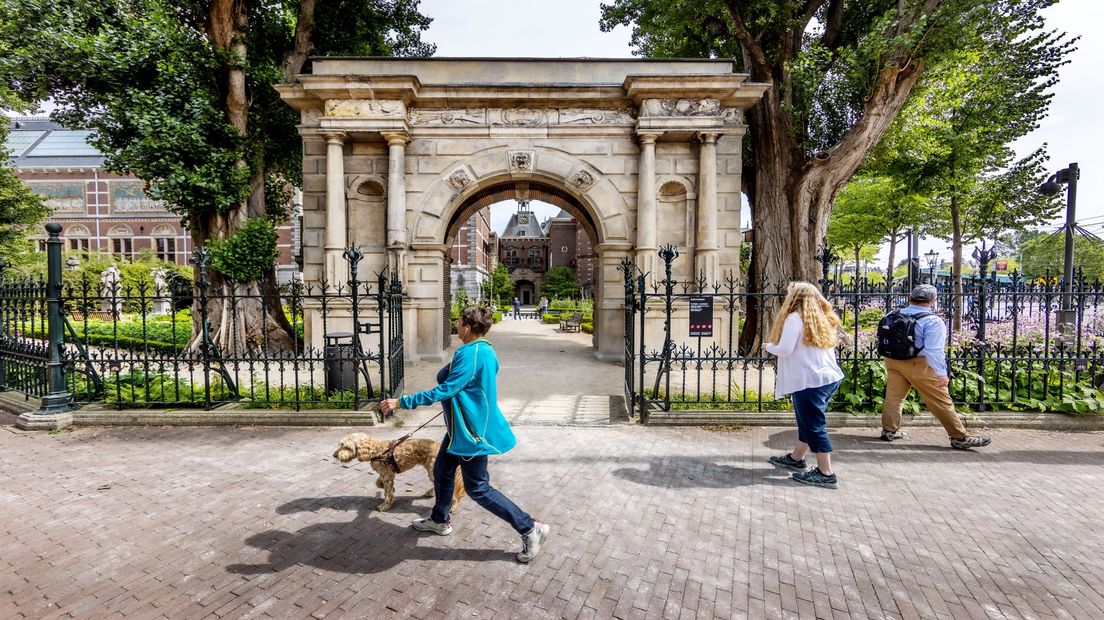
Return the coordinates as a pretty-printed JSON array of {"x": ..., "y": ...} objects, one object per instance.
[{"x": 701, "y": 316}]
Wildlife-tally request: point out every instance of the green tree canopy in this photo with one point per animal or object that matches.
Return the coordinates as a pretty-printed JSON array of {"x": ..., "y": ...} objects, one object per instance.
[
  {"x": 181, "y": 94},
  {"x": 502, "y": 287},
  {"x": 1044, "y": 254},
  {"x": 560, "y": 283}
]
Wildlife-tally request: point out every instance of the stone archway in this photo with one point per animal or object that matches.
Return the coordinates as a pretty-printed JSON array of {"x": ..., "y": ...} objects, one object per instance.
[
  {"x": 647, "y": 151},
  {"x": 538, "y": 188}
]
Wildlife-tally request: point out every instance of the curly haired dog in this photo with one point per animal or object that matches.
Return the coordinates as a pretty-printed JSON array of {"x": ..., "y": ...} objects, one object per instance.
[{"x": 408, "y": 454}]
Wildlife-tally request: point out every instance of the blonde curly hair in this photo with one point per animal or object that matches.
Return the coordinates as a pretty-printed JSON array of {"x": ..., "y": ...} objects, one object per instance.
[{"x": 820, "y": 320}]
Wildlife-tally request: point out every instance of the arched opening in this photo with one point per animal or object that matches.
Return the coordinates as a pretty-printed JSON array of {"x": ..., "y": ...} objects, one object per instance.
[{"x": 542, "y": 230}]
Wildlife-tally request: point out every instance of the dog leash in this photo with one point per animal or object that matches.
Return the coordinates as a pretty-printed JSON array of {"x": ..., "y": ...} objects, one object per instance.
[{"x": 388, "y": 455}]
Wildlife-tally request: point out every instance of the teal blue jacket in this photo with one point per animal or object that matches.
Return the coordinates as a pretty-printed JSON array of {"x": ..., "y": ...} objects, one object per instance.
[{"x": 477, "y": 426}]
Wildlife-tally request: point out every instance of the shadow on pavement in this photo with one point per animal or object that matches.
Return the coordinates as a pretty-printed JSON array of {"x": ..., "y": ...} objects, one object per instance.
[
  {"x": 938, "y": 448},
  {"x": 702, "y": 474},
  {"x": 363, "y": 545}
]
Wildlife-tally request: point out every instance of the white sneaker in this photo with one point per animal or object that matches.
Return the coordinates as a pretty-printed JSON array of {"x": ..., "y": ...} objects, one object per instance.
[
  {"x": 531, "y": 542},
  {"x": 429, "y": 525}
]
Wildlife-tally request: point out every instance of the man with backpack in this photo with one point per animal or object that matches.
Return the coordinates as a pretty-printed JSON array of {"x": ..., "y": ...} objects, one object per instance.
[{"x": 911, "y": 341}]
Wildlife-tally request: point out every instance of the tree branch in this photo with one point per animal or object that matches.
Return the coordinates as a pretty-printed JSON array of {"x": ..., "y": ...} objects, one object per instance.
[
  {"x": 833, "y": 25},
  {"x": 760, "y": 67},
  {"x": 304, "y": 29}
]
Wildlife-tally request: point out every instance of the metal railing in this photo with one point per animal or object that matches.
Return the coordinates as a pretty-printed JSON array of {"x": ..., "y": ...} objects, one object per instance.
[
  {"x": 1012, "y": 350},
  {"x": 144, "y": 344}
]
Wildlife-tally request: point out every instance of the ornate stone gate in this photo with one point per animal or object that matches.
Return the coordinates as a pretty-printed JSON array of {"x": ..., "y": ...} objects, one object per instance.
[{"x": 396, "y": 151}]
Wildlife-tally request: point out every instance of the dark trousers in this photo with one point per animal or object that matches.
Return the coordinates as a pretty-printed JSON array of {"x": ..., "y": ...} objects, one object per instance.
[
  {"x": 810, "y": 406},
  {"x": 477, "y": 483}
]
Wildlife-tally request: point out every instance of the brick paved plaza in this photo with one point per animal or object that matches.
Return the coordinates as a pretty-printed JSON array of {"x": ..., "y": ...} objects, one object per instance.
[{"x": 673, "y": 523}]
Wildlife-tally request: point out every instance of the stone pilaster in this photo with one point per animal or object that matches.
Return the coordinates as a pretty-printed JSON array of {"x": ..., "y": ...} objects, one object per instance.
[
  {"x": 646, "y": 245},
  {"x": 706, "y": 251},
  {"x": 337, "y": 271},
  {"x": 397, "y": 237}
]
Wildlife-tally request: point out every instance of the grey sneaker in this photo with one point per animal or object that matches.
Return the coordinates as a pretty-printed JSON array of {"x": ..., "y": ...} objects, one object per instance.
[
  {"x": 788, "y": 462},
  {"x": 531, "y": 542},
  {"x": 970, "y": 441},
  {"x": 817, "y": 479},
  {"x": 429, "y": 525},
  {"x": 892, "y": 435}
]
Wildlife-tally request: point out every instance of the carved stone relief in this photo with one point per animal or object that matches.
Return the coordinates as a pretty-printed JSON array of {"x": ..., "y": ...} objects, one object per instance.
[
  {"x": 580, "y": 116},
  {"x": 364, "y": 108},
  {"x": 445, "y": 117},
  {"x": 459, "y": 179},
  {"x": 524, "y": 117},
  {"x": 681, "y": 107},
  {"x": 733, "y": 116},
  {"x": 521, "y": 161}
]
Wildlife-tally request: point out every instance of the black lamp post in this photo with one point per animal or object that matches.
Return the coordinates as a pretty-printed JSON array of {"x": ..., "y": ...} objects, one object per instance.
[
  {"x": 1052, "y": 186},
  {"x": 933, "y": 262}
]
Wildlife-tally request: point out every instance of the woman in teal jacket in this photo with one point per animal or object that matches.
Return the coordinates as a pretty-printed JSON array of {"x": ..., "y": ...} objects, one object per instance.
[{"x": 475, "y": 428}]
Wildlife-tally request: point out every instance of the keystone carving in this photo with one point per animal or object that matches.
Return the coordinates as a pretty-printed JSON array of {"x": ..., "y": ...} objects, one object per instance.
[
  {"x": 521, "y": 161},
  {"x": 733, "y": 116},
  {"x": 681, "y": 107},
  {"x": 524, "y": 117}
]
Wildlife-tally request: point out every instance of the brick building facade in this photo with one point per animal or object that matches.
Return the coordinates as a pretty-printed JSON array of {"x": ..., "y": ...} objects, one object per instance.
[
  {"x": 100, "y": 211},
  {"x": 472, "y": 256}
]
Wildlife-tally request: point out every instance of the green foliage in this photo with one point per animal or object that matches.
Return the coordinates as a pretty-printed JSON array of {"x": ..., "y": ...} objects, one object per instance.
[
  {"x": 502, "y": 287},
  {"x": 1047, "y": 252},
  {"x": 560, "y": 282},
  {"x": 740, "y": 399},
  {"x": 20, "y": 209},
  {"x": 149, "y": 77},
  {"x": 248, "y": 253},
  {"x": 303, "y": 397}
]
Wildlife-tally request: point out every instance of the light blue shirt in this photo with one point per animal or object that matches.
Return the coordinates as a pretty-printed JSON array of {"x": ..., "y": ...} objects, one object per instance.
[{"x": 931, "y": 334}]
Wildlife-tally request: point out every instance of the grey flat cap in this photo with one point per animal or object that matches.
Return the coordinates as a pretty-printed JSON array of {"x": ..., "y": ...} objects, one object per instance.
[{"x": 924, "y": 292}]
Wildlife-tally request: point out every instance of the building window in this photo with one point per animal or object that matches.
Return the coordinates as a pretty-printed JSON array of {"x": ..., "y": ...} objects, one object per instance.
[
  {"x": 41, "y": 243},
  {"x": 79, "y": 244},
  {"x": 166, "y": 249},
  {"x": 511, "y": 257},
  {"x": 123, "y": 248},
  {"x": 535, "y": 257}
]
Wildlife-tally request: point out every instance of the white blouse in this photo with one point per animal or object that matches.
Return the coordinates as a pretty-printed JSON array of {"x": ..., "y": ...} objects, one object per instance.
[{"x": 800, "y": 366}]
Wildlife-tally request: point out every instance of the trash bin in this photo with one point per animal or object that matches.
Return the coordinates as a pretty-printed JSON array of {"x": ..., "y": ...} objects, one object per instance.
[{"x": 339, "y": 360}]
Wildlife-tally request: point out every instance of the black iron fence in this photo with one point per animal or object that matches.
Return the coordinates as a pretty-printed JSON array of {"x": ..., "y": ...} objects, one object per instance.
[
  {"x": 264, "y": 345},
  {"x": 1015, "y": 345}
]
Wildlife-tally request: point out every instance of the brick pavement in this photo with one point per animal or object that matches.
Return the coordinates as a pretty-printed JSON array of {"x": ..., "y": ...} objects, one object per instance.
[{"x": 647, "y": 523}]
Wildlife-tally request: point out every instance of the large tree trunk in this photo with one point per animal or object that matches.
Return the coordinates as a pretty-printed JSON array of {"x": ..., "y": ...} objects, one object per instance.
[
  {"x": 956, "y": 264},
  {"x": 793, "y": 193},
  {"x": 244, "y": 317}
]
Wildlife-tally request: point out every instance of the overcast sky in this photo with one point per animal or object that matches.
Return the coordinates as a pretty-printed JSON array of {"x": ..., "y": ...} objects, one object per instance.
[{"x": 569, "y": 28}]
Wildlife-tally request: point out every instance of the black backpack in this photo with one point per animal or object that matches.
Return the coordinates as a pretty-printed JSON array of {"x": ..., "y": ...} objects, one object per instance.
[{"x": 897, "y": 335}]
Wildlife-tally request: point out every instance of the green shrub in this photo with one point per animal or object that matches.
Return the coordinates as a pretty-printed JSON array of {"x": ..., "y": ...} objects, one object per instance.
[
  {"x": 587, "y": 327},
  {"x": 305, "y": 397}
]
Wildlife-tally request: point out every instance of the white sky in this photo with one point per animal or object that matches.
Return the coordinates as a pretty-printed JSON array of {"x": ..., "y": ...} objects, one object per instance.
[{"x": 1074, "y": 130}]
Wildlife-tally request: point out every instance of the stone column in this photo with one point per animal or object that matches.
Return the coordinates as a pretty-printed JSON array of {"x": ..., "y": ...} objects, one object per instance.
[
  {"x": 396, "y": 196},
  {"x": 706, "y": 252},
  {"x": 646, "y": 244},
  {"x": 337, "y": 272}
]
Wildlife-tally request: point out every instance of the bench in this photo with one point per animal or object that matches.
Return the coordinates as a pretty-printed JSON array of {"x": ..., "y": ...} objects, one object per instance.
[{"x": 573, "y": 324}]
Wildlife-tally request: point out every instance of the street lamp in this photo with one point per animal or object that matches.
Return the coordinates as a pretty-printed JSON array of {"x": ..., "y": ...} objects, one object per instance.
[
  {"x": 1052, "y": 186},
  {"x": 933, "y": 262}
]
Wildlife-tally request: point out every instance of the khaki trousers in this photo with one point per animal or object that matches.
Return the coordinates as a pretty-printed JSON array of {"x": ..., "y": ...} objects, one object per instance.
[{"x": 903, "y": 375}]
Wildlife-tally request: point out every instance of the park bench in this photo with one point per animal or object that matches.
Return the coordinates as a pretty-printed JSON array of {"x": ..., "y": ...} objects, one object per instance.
[{"x": 573, "y": 324}]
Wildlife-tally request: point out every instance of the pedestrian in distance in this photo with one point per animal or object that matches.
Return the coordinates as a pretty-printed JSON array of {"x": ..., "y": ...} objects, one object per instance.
[
  {"x": 474, "y": 429},
  {"x": 804, "y": 337},
  {"x": 911, "y": 342},
  {"x": 543, "y": 307},
  {"x": 517, "y": 308}
]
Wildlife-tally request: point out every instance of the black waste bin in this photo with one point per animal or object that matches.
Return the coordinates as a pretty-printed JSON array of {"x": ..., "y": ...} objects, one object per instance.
[{"x": 339, "y": 359}]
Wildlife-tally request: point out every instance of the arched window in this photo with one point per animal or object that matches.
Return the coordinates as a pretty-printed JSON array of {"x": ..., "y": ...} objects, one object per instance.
[
  {"x": 122, "y": 242},
  {"x": 164, "y": 241},
  {"x": 78, "y": 237}
]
